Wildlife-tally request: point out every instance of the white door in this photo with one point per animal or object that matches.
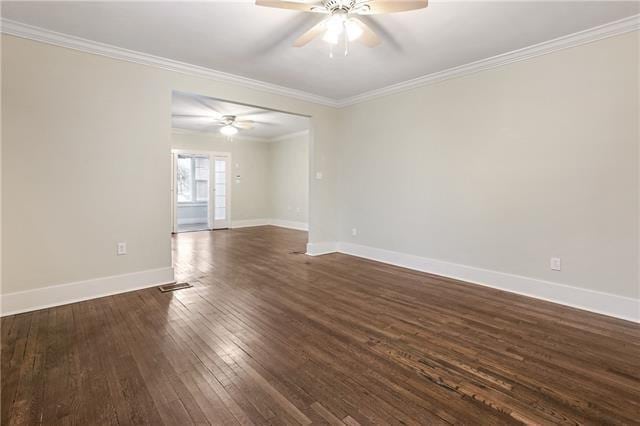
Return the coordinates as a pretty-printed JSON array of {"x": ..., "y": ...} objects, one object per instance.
[{"x": 221, "y": 181}]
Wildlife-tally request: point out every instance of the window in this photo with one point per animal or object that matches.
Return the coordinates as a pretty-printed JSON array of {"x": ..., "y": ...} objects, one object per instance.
[
  {"x": 184, "y": 180},
  {"x": 202, "y": 178},
  {"x": 221, "y": 188},
  {"x": 192, "y": 179}
]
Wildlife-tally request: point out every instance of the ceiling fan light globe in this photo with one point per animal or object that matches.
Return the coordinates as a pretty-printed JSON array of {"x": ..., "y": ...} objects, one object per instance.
[
  {"x": 331, "y": 38},
  {"x": 335, "y": 24},
  {"x": 228, "y": 130},
  {"x": 354, "y": 31}
]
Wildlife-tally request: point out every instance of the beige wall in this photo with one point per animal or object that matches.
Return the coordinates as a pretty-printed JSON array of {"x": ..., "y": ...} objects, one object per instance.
[
  {"x": 85, "y": 162},
  {"x": 289, "y": 165},
  {"x": 506, "y": 168},
  {"x": 499, "y": 170},
  {"x": 250, "y": 159}
]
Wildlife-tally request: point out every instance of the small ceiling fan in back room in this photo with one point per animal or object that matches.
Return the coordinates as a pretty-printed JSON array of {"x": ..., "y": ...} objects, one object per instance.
[
  {"x": 342, "y": 22},
  {"x": 227, "y": 124}
]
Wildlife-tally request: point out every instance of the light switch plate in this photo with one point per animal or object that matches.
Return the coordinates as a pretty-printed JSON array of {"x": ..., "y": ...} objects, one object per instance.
[{"x": 121, "y": 248}]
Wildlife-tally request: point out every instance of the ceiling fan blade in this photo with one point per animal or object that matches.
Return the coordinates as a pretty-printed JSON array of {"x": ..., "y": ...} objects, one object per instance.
[
  {"x": 212, "y": 128},
  {"x": 247, "y": 124},
  {"x": 369, "y": 38},
  {"x": 193, "y": 116},
  {"x": 264, "y": 123},
  {"x": 206, "y": 105},
  {"x": 193, "y": 121},
  {"x": 313, "y": 6},
  {"x": 375, "y": 7},
  {"x": 255, "y": 112},
  {"x": 386, "y": 36},
  {"x": 312, "y": 33}
]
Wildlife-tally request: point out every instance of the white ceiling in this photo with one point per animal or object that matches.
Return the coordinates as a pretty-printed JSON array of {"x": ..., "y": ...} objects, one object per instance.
[
  {"x": 203, "y": 110},
  {"x": 243, "y": 39}
]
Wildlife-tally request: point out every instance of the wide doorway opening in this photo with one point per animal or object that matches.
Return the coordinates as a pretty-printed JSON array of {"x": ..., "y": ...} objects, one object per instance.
[{"x": 237, "y": 165}]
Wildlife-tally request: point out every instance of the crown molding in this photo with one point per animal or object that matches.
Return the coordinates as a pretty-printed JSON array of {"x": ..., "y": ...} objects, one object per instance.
[
  {"x": 18, "y": 29},
  {"x": 622, "y": 26}
]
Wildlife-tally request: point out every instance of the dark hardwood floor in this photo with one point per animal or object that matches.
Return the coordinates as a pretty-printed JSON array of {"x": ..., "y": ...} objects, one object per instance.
[{"x": 267, "y": 336}]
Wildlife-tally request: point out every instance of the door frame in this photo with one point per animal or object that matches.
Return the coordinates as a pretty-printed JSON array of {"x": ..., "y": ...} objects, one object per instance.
[{"x": 211, "y": 203}]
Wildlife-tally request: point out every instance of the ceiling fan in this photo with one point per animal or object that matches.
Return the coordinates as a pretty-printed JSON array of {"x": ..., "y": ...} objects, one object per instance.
[
  {"x": 342, "y": 21},
  {"x": 230, "y": 124},
  {"x": 209, "y": 118}
]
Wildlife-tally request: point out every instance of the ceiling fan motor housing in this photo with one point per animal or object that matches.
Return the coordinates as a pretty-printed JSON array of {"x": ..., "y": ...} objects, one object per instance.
[
  {"x": 227, "y": 120},
  {"x": 344, "y": 6}
]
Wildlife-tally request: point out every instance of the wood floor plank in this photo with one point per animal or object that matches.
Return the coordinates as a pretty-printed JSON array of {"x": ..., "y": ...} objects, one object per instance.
[
  {"x": 27, "y": 406},
  {"x": 326, "y": 414},
  {"x": 13, "y": 353},
  {"x": 269, "y": 337}
]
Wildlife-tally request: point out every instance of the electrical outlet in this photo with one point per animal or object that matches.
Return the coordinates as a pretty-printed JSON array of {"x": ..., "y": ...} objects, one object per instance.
[
  {"x": 318, "y": 175},
  {"x": 354, "y": 232},
  {"x": 122, "y": 248},
  {"x": 555, "y": 263}
]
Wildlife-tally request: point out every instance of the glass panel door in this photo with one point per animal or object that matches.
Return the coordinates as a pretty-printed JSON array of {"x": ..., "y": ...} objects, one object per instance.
[
  {"x": 221, "y": 191},
  {"x": 192, "y": 192}
]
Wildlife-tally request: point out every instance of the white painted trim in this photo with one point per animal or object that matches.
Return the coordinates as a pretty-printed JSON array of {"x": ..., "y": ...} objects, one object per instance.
[
  {"x": 318, "y": 249},
  {"x": 290, "y": 135},
  {"x": 603, "y": 303},
  {"x": 19, "y": 29},
  {"x": 62, "y": 294},
  {"x": 622, "y": 26},
  {"x": 246, "y": 223},
  {"x": 300, "y": 226}
]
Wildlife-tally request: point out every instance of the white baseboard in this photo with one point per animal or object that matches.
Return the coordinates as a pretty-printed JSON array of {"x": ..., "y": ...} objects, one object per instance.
[
  {"x": 249, "y": 222},
  {"x": 603, "y": 303},
  {"x": 55, "y": 295},
  {"x": 300, "y": 226},
  {"x": 317, "y": 249}
]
